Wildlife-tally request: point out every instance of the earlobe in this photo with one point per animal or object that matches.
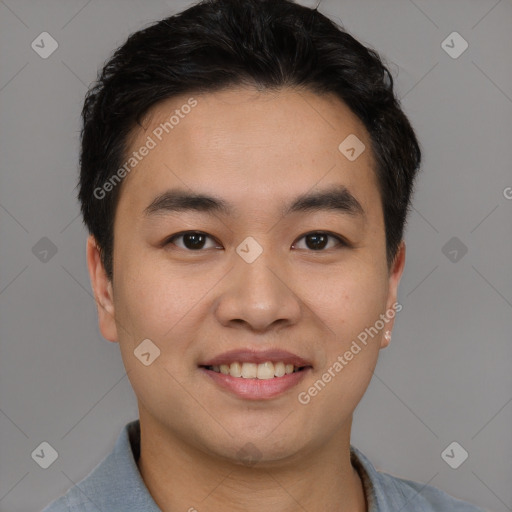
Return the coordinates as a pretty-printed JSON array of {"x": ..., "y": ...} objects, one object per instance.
[
  {"x": 387, "y": 339},
  {"x": 102, "y": 289}
]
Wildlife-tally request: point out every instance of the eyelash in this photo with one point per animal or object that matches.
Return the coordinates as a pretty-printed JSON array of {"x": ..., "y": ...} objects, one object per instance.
[{"x": 341, "y": 242}]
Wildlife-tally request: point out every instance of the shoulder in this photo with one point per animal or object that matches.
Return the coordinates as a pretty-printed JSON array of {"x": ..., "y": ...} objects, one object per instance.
[
  {"x": 426, "y": 498},
  {"x": 387, "y": 493},
  {"x": 115, "y": 484},
  {"x": 59, "y": 505},
  {"x": 88, "y": 494},
  {"x": 72, "y": 501}
]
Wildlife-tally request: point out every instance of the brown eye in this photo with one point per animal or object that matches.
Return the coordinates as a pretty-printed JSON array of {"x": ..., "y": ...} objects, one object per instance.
[
  {"x": 192, "y": 240},
  {"x": 319, "y": 240}
]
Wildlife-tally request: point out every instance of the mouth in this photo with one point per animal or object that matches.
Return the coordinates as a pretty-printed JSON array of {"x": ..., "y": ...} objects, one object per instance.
[
  {"x": 263, "y": 371},
  {"x": 256, "y": 375}
]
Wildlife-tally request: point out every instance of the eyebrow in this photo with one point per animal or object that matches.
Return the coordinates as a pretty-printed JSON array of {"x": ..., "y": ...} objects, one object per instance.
[{"x": 338, "y": 199}]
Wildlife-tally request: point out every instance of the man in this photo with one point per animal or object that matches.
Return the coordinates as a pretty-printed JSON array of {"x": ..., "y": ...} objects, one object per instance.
[{"x": 246, "y": 173}]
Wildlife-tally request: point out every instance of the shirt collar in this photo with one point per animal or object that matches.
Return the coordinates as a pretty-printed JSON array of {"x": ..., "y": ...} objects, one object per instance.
[
  {"x": 381, "y": 491},
  {"x": 382, "y": 494}
]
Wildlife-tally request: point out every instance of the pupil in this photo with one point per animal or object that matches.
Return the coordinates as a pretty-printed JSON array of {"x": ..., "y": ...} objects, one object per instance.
[
  {"x": 194, "y": 240},
  {"x": 319, "y": 241}
]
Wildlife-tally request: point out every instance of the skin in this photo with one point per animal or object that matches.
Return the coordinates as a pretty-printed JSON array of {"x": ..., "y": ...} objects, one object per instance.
[{"x": 257, "y": 150}]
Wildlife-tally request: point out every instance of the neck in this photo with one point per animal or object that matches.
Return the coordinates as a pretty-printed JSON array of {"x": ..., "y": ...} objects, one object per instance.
[{"x": 181, "y": 477}]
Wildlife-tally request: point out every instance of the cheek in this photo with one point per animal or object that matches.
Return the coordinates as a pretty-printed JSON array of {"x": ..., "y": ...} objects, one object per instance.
[
  {"x": 348, "y": 299},
  {"x": 151, "y": 307},
  {"x": 350, "y": 305},
  {"x": 149, "y": 298},
  {"x": 165, "y": 305}
]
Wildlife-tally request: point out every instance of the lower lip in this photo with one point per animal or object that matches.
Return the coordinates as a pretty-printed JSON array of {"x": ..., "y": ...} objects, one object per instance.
[{"x": 257, "y": 389}]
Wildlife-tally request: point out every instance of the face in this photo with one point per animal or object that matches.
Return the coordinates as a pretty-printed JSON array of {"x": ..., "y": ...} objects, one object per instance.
[{"x": 285, "y": 262}]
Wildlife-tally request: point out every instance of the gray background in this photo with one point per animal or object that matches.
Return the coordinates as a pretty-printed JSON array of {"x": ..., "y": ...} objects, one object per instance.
[{"x": 446, "y": 375}]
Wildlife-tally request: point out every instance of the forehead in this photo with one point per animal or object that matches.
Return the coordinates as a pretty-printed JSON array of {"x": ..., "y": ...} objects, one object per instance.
[{"x": 251, "y": 146}]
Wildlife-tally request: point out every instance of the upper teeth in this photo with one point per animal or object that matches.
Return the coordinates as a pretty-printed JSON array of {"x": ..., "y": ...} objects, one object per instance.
[{"x": 267, "y": 370}]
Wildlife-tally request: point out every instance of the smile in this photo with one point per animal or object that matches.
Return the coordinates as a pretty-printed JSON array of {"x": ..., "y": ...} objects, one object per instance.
[
  {"x": 255, "y": 374},
  {"x": 263, "y": 371}
]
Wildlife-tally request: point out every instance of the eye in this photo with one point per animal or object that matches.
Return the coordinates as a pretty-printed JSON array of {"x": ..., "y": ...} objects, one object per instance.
[
  {"x": 192, "y": 240},
  {"x": 319, "y": 240},
  {"x": 196, "y": 241}
]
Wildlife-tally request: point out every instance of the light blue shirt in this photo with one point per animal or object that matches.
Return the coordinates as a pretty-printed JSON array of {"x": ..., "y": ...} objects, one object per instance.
[{"x": 116, "y": 485}]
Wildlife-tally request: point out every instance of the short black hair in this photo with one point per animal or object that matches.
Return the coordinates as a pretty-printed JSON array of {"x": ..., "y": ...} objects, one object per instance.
[{"x": 217, "y": 44}]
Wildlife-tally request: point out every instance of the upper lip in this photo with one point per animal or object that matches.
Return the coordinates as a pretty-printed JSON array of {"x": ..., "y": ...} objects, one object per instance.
[{"x": 256, "y": 356}]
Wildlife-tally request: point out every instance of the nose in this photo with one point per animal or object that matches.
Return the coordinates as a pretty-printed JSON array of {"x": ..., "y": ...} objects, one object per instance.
[{"x": 258, "y": 295}]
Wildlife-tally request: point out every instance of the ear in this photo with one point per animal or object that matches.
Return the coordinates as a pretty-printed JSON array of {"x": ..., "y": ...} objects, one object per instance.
[
  {"x": 103, "y": 292},
  {"x": 395, "y": 273}
]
